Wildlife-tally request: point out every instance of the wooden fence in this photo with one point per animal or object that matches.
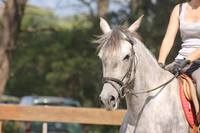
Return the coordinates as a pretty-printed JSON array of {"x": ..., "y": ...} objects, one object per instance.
[{"x": 60, "y": 114}]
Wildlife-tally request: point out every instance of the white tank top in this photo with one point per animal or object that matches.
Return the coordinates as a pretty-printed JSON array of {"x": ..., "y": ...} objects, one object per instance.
[{"x": 190, "y": 35}]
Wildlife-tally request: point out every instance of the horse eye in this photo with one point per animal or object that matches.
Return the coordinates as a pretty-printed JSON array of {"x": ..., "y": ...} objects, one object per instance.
[{"x": 126, "y": 57}]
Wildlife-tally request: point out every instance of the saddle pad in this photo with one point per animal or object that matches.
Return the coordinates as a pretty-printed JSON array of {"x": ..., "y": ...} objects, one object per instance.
[{"x": 187, "y": 107}]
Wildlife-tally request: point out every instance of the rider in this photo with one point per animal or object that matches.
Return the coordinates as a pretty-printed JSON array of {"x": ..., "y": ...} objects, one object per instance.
[{"x": 186, "y": 18}]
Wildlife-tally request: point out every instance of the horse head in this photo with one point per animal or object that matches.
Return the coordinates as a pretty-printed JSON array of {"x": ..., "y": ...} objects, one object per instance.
[{"x": 116, "y": 51}]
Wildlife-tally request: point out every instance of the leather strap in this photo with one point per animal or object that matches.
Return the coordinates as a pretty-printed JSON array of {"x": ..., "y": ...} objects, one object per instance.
[{"x": 180, "y": 8}]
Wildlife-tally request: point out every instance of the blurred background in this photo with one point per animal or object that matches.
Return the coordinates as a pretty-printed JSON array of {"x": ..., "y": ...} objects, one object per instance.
[{"x": 46, "y": 47}]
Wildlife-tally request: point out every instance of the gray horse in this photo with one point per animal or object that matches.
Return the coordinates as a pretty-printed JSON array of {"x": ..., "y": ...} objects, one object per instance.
[{"x": 130, "y": 71}]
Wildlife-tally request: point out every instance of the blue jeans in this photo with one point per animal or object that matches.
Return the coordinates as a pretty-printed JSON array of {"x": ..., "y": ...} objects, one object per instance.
[{"x": 194, "y": 72}]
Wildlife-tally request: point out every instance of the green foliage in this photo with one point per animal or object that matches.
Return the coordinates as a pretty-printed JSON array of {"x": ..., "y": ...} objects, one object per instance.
[
  {"x": 36, "y": 18},
  {"x": 62, "y": 63}
]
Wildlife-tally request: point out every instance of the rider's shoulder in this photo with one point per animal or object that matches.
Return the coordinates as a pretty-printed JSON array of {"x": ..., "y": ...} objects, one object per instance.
[{"x": 177, "y": 8}]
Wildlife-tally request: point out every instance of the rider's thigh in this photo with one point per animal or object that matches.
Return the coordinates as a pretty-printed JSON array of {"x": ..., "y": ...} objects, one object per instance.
[{"x": 196, "y": 78}]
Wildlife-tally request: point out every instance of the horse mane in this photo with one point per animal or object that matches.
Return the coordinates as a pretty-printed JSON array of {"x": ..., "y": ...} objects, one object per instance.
[{"x": 110, "y": 40}]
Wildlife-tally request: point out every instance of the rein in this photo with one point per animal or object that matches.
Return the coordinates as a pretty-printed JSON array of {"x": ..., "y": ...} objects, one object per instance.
[
  {"x": 162, "y": 85},
  {"x": 123, "y": 86}
]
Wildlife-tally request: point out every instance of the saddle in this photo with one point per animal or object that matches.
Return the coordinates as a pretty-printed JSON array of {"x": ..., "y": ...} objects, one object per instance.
[{"x": 189, "y": 100}]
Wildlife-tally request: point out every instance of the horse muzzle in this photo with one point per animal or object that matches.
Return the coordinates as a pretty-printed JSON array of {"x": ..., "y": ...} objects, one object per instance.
[{"x": 109, "y": 97}]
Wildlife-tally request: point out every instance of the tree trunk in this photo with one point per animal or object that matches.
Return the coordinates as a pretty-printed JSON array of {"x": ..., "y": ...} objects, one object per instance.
[
  {"x": 4, "y": 70},
  {"x": 103, "y": 7},
  {"x": 11, "y": 20}
]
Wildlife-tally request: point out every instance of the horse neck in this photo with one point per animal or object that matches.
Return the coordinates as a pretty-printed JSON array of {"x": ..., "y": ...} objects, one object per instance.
[{"x": 148, "y": 73}]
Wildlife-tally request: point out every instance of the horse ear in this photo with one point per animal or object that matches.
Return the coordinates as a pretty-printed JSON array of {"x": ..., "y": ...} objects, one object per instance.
[
  {"x": 104, "y": 26},
  {"x": 136, "y": 24}
]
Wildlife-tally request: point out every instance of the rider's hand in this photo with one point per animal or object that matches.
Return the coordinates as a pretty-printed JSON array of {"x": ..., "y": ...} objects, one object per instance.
[{"x": 179, "y": 65}]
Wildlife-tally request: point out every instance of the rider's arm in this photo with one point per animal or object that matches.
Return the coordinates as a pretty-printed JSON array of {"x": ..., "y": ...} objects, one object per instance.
[{"x": 170, "y": 35}]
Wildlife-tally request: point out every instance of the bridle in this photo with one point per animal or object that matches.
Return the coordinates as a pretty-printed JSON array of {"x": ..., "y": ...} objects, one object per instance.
[
  {"x": 111, "y": 80},
  {"x": 131, "y": 82}
]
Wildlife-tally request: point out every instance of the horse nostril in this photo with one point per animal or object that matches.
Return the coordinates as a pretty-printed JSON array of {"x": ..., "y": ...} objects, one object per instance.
[{"x": 112, "y": 98}]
